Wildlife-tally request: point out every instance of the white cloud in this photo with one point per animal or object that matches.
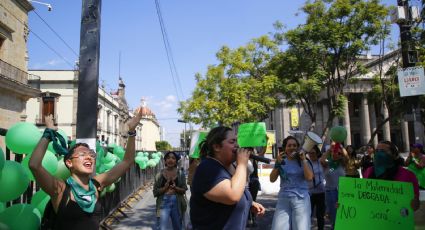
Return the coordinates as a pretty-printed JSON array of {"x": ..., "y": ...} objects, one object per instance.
[{"x": 55, "y": 62}]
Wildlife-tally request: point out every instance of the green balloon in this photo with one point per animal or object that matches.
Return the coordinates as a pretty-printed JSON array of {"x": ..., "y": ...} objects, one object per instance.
[
  {"x": 143, "y": 164},
  {"x": 2, "y": 206},
  {"x": 110, "y": 188},
  {"x": 64, "y": 135},
  {"x": 4, "y": 227},
  {"x": 62, "y": 172},
  {"x": 109, "y": 165},
  {"x": 22, "y": 138},
  {"x": 103, "y": 193},
  {"x": 15, "y": 179},
  {"x": 39, "y": 200},
  {"x": 2, "y": 159},
  {"x": 72, "y": 144},
  {"x": 119, "y": 152},
  {"x": 50, "y": 163},
  {"x": 21, "y": 216},
  {"x": 338, "y": 134},
  {"x": 108, "y": 158}
]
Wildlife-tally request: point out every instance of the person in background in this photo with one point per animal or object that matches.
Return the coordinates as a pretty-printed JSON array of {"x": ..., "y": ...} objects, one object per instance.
[
  {"x": 367, "y": 159},
  {"x": 193, "y": 164},
  {"x": 317, "y": 187},
  {"x": 353, "y": 164},
  {"x": 169, "y": 189},
  {"x": 293, "y": 205},
  {"x": 82, "y": 209},
  {"x": 415, "y": 162},
  {"x": 254, "y": 182},
  {"x": 386, "y": 167},
  {"x": 220, "y": 199},
  {"x": 334, "y": 162}
]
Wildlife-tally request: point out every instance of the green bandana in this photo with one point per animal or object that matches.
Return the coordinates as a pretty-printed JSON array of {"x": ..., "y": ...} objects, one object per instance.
[
  {"x": 85, "y": 199},
  {"x": 54, "y": 136},
  {"x": 332, "y": 163}
]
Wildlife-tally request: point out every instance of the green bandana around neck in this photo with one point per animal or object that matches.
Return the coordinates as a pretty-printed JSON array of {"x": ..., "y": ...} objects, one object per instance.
[{"x": 85, "y": 199}]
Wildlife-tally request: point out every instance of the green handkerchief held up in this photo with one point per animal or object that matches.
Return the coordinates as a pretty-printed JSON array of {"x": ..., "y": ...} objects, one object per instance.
[{"x": 252, "y": 134}]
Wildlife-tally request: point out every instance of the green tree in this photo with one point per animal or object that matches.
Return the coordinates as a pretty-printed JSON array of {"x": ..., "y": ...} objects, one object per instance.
[
  {"x": 163, "y": 146},
  {"x": 335, "y": 34},
  {"x": 238, "y": 89}
]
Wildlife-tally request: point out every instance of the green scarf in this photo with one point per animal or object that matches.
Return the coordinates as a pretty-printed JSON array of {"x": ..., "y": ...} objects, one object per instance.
[
  {"x": 85, "y": 199},
  {"x": 54, "y": 137}
]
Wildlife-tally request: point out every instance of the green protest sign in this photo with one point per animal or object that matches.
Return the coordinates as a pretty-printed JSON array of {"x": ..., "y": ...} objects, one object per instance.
[
  {"x": 252, "y": 134},
  {"x": 374, "y": 204},
  {"x": 196, "y": 139}
]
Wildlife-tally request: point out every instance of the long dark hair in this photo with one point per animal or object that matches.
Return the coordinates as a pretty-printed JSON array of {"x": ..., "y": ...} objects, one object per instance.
[
  {"x": 285, "y": 142},
  {"x": 215, "y": 136}
]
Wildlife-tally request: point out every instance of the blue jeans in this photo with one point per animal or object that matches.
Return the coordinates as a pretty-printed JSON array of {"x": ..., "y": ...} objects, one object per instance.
[
  {"x": 331, "y": 198},
  {"x": 169, "y": 208},
  {"x": 292, "y": 213}
]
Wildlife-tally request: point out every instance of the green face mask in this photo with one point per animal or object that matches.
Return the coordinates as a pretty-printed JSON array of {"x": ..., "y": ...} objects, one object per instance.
[{"x": 382, "y": 161}]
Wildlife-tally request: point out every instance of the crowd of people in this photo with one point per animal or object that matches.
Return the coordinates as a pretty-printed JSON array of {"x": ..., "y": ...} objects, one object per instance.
[{"x": 224, "y": 181}]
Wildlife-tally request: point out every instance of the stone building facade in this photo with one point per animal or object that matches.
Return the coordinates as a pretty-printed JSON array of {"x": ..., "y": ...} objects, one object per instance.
[
  {"x": 60, "y": 97},
  {"x": 14, "y": 88},
  {"x": 361, "y": 117}
]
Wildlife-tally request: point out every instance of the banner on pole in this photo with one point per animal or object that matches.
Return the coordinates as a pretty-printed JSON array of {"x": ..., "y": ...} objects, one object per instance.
[
  {"x": 374, "y": 204},
  {"x": 196, "y": 138},
  {"x": 411, "y": 81},
  {"x": 271, "y": 140}
]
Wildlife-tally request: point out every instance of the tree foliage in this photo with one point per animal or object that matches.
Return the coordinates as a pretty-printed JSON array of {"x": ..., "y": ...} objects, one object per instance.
[
  {"x": 163, "y": 146},
  {"x": 238, "y": 89},
  {"x": 324, "y": 52}
]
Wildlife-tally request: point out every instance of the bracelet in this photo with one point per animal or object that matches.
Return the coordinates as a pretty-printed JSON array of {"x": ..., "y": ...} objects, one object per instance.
[{"x": 132, "y": 133}]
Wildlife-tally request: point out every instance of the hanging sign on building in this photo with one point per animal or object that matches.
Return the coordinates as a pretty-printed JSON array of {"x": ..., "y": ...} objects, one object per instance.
[
  {"x": 294, "y": 118},
  {"x": 411, "y": 81}
]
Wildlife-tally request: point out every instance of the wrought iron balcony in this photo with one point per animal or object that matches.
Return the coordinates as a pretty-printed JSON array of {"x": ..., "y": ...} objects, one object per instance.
[{"x": 12, "y": 72}]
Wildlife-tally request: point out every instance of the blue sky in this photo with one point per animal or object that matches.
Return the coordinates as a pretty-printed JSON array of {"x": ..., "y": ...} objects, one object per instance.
[{"x": 196, "y": 31}]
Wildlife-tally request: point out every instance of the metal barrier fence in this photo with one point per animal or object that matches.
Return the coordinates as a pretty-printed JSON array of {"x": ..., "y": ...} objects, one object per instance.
[{"x": 134, "y": 179}]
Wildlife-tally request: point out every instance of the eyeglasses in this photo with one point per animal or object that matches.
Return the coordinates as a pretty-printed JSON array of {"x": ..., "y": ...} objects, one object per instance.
[{"x": 83, "y": 155}]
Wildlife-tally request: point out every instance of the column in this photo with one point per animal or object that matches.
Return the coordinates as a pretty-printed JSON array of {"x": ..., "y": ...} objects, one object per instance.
[
  {"x": 373, "y": 126},
  {"x": 405, "y": 135},
  {"x": 319, "y": 120},
  {"x": 286, "y": 122},
  {"x": 418, "y": 127},
  {"x": 364, "y": 120},
  {"x": 386, "y": 131},
  {"x": 325, "y": 110},
  {"x": 347, "y": 122}
]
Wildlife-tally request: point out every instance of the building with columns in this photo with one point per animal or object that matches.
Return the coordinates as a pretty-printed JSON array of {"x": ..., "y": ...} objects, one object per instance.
[
  {"x": 361, "y": 117},
  {"x": 59, "y": 96},
  {"x": 14, "y": 87}
]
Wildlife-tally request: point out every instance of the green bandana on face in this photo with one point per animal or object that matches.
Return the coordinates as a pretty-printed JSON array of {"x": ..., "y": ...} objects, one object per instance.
[
  {"x": 85, "y": 199},
  {"x": 382, "y": 161}
]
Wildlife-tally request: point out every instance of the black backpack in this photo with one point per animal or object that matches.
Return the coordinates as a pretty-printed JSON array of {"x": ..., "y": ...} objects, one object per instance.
[{"x": 48, "y": 222}]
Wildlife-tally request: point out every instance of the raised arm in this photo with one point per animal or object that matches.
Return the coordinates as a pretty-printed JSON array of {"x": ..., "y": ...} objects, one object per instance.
[
  {"x": 47, "y": 182},
  {"x": 118, "y": 170},
  {"x": 230, "y": 191}
]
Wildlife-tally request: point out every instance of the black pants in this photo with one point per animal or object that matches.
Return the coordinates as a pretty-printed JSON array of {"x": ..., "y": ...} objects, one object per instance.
[{"x": 318, "y": 200}]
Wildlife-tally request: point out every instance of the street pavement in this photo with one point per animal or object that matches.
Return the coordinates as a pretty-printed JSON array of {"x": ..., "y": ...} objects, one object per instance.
[{"x": 142, "y": 215}]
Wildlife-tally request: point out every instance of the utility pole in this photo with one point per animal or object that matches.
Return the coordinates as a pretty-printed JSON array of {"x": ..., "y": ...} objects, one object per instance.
[
  {"x": 88, "y": 79},
  {"x": 407, "y": 53}
]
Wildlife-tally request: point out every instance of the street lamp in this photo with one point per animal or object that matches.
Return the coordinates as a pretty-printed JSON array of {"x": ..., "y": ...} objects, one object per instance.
[
  {"x": 184, "y": 132},
  {"x": 49, "y": 7}
]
